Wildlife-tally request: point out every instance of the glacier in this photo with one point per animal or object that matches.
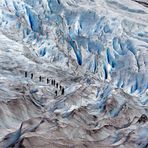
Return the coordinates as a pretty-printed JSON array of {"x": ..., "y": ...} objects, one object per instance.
[{"x": 97, "y": 50}]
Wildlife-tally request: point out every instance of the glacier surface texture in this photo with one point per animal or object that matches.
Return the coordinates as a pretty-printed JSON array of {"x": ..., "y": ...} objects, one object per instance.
[{"x": 74, "y": 73}]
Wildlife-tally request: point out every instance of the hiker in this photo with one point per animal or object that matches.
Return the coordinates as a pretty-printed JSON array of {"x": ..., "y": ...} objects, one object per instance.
[
  {"x": 40, "y": 78},
  {"x": 31, "y": 75},
  {"x": 47, "y": 80},
  {"x": 60, "y": 87},
  {"x": 52, "y": 82},
  {"x": 56, "y": 92},
  {"x": 62, "y": 91},
  {"x": 57, "y": 85},
  {"x": 26, "y": 74}
]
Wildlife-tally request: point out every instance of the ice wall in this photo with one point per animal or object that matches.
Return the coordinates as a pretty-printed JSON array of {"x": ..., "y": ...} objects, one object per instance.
[{"x": 107, "y": 38}]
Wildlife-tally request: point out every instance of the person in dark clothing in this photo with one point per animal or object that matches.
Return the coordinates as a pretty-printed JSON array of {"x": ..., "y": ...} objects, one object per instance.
[
  {"x": 52, "y": 82},
  {"x": 56, "y": 92},
  {"x": 31, "y": 75},
  {"x": 40, "y": 78},
  {"x": 60, "y": 87},
  {"x": 26, "y": 74},
  {"x": 47, "y": 80},
  {"x": 57, "y": 85},
  {"x": 62, "y": 91}
]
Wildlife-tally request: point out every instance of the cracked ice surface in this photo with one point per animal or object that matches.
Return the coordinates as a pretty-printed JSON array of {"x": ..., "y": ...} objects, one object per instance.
[{"x": 97, "y": 50}]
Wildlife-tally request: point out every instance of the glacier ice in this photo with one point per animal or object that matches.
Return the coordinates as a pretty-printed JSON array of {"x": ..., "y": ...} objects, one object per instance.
[{"x": 97, "y": 50}]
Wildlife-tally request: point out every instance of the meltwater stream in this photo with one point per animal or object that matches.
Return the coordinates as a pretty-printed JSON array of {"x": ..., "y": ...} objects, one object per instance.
[{"x": 73, "y": 73}]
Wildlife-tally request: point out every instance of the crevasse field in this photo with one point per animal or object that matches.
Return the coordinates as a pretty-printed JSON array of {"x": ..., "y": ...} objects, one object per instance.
[{"x": 74, "y": 73}]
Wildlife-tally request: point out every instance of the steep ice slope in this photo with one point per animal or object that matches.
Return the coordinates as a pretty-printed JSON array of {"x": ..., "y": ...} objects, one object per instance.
[
  {"x": 97, "y": 49},
  {"x": 98, "y": 38}
]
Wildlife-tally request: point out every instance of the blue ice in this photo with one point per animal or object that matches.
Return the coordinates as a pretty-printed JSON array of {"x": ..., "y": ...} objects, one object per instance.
[
  {"x": 105, "y": 72},
  {"x": 79, "y": 56},
  {"x": 42, "y": 51},
  {"x": 95, "y": 46},
  {"x": 116, "y": 111},
  {"x": 76, "y": 50},
  {"x": 99, "y": 25},
  {"x": 31, "y": 2},
  {"x": 122, "y": 47},
  {"x": 18, "y": 25},
  {"x": 110, "y": 58},
  {"x": 120, "y": 83},
  {"x": 130, "y": 46},
  {"x": 26, "y": 32},
  {"x": 104, "y": 97},
  {"x": 70, "y": 17},
  {"x": 16, "y": 9},
  {"x": 55, "y": 6},
  {"x": 87, "y": 21},
  {"x": 34, "y": 21},
  {"x": 95, "y": 64},
  {"x": 134, "y": 87},
  {"x": 107, "y": 29},
  {"x": 117, "y": 45}
]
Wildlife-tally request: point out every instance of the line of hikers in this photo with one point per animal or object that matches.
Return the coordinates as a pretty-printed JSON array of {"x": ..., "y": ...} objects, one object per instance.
[{"x": 53, "y": 82}]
